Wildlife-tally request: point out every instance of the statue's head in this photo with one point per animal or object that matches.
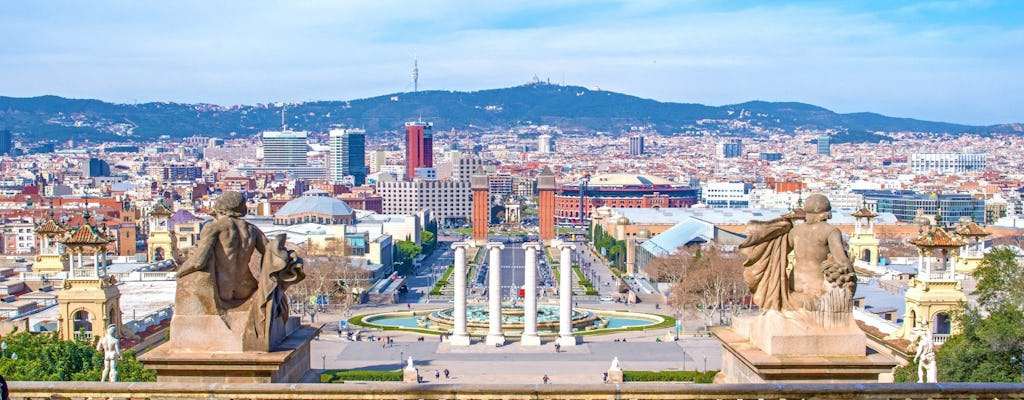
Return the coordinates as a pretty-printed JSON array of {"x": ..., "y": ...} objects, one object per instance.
[
  {"x": 231, "y": 204},
  {"x": 817, "y": 203},
  {"x": 111, "y": 329}
]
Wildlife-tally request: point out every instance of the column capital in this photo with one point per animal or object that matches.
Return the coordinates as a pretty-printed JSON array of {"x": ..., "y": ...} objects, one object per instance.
[
  {"x": 462, "y": 245},
  {"x": 532, "y": 246},
  {"x": 566, "y": 246},
  {"x": 495, "y": 245}
]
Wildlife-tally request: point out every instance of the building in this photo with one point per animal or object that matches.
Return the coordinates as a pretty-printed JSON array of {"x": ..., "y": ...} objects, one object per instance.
[
  {"x": 378, "y": 158},
  {"x": 824, "y": 145},
  {"x": 906, "y": 205},
  {"x": 544, "y": 144},
  {"x": 347, "y": 155},
  {"x": 182, "y": 173},
  {"x": 771, "y": 157},
  {"x": 95, "y": 167},
  {"x": 285, "y": 149},
  {"x": 447, "y": 200},
  {"x": 419, "y": 147},
  {"x": 947, "y": 163},
  {"x": 726, "y": 194},
  {"x": 463, "y": 167},
  {"x": 315, "y": 206},
  {"x": 731, "y": 148},
  {"x": 619, "y": 190},
  {"x": 636, "y": 145},
  {"x": 6, "y": 142}
]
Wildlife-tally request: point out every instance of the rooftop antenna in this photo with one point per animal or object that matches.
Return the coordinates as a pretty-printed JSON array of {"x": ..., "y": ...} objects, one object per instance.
[
  {"x": 415, "y": 74},
  {"x": 284, "y": 126}
]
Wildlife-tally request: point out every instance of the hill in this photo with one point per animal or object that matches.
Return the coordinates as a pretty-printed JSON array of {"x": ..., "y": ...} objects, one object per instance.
[{"x": 568, "y": 107}]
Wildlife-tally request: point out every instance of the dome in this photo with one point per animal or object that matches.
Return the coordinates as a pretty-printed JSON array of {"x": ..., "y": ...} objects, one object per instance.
[
  {"x": 628, "y": 179},
  {"x": 322, "y": 205},
  {"x": 643, "y": 234},
  {"x": 622, "y": 221}
]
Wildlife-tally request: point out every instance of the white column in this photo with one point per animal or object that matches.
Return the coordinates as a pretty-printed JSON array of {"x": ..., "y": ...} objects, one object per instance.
[
  {"x": 565, "y": 336},
  {"x": 530, "y": 337},
  {"x": 460, "y": 337},
  {"x": 494, "y": 334}
]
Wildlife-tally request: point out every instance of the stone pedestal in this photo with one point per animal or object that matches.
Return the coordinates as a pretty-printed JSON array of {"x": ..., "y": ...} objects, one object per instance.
[
  {"x": 459, "y": 340},
  {"x": 287, "y": 363},
  {"x": 615, "y": 376},
  {"x": 530, "y": 340},
  {"x": 778, "y": 348},
  {"x": 410, "y": 375}
]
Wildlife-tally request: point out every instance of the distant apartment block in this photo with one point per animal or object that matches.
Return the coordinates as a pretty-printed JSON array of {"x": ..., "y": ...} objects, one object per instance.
[
  {"x": 182, "y": 172},
  {"x": 771, "y": 157},
  {"x": 285, "y": 149},
  {"x": 947, "y": 163},
  {"x": 347, "y": 156},
  {"x": 731, "y": 148},
  {"x": 726, "y": 194},
  {"x": 544, "y": 145},
  {"x": 824, "y": 145},
  {"x": 446, "y": 199}
]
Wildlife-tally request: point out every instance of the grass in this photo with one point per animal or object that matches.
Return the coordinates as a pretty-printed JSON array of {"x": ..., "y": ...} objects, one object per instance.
[
  {"x": 669, "y": 376},
  {"x": 340, "y": 376},
  {"x": 590, "y": 291},
  {"x": 441, "y": 283},
  {"x": 358, "y": 320}
]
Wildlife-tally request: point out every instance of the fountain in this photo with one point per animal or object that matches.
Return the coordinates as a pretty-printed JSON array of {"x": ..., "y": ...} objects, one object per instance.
[{"x": 512, "y": 318}]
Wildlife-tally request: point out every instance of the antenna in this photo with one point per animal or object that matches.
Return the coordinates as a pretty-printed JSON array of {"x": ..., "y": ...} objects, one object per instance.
[
  {"x": 415, "y": 74},
  {"x": 284, "y": 126}
]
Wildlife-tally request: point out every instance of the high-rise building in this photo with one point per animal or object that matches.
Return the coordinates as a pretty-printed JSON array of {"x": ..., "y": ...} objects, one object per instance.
[
  {"x": 6, "y": 142},
  {"x": 378, "y": 159},
  {"x": 947, "y": 163},
  {"x": 285, "y": 149},
  {"x": 824, "y": 145},
  {"x": 419, "y": 147},
  {"x": 731, "y": 148},
  {"x": 636, "y": 145},
  {"x": 544, "y": 144},
  {"x": 94, "y": 167},
  {"x": 348, "y": 155}
]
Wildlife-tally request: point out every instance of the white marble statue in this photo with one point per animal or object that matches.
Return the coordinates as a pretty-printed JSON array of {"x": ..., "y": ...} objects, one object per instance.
[
  {"x": 409, "y": 364},
  {"x": 927, "y": 371},
  {"x": 110, "y": 346},
  {"x": 615, "y": 365}
]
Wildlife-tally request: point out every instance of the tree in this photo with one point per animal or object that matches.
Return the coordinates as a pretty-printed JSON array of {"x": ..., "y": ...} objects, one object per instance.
[
  {"x": 332, "y": 279},
  {"x": 406, "y": 252},
  {"x": 990, "y": 346},
  {"x": 429, "y": 240},
  {"x": 45, "y": 357},
  {"x": 712, "y": 283}
]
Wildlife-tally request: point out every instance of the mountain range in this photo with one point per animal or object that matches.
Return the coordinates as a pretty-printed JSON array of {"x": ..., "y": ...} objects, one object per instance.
[{"x": 570, "y": 108}]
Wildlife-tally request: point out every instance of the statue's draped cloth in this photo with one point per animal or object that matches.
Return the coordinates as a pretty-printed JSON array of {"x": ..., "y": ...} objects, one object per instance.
[{"x": 767, "y": 249}]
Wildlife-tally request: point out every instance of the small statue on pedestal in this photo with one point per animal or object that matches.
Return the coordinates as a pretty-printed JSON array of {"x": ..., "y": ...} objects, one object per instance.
[{"x": 110, "y": 346}]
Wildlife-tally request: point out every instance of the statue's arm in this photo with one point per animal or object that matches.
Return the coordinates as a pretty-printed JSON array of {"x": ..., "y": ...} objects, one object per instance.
[
  {"x": 201, "y": 255},
  {"x": 835, "y": 247}
]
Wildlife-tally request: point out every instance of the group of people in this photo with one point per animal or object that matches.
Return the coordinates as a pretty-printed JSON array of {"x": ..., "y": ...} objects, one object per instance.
[{"x": 437, "y": 374}]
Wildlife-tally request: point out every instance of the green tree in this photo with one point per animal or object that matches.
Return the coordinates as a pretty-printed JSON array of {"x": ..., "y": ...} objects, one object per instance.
[
  {"x": 406, "y": 252},
  {"x": 45, "y": 357},
  {"x": 990, "y": 346},
  {"x": 428, "y": 239}
]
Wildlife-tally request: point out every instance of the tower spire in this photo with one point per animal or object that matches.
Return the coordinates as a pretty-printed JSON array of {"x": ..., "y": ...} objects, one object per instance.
[{"x": 415, "y": 74}]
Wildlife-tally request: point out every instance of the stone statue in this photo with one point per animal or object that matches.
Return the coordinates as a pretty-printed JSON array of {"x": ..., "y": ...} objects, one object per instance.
[
  {"x": 800, "y": 267},
  {"x": 217, "y": 280},
  {"x": 409, "y": 365},
  {"x": 615, "y": 365},
  {"x": 927, "y": 371},
  {"x": 110, "y": 346}
]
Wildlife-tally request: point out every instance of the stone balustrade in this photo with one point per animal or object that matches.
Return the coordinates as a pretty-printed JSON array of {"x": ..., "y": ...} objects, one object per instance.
[{"x": 371, "y": 390}]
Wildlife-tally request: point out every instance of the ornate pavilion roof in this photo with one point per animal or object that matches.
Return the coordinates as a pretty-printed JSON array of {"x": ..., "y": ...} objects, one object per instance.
[
  {"x": 86, "y": 234},
  {"x": 864, "y": 213},
  {"x": 937, "y": 237},
  {"x": 971, "y": 229},
  {"x": 50, "y": 227},
  {"x": 160, "y": 210}
]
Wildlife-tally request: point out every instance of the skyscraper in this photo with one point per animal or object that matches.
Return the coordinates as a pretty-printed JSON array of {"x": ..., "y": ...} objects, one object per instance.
[
  {"x": 636, "y": 145},
  {"x": 348, "y": 155},
  {"x": 285, "y": 149},
  {"x": 6, "y": 143},
  {"x": 419, "y": 147},
  {"x": 730, "y": 149},
  {"x": 824, "y": 145},
  {"x": 544, "y": 144}
]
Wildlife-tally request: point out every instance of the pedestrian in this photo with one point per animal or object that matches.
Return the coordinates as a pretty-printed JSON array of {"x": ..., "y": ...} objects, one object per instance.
[
  {"x": 604, "y": 377},
  {"x": 446, "y": 373},
  {"x": 545, "y": 378},
  {"x": 408, "y": 305},
  {"x": 4, "y": 393},
  {"x": 437, "y": 375}
]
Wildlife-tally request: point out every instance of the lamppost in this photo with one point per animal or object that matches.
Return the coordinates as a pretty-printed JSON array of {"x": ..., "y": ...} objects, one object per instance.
[
  {"x": 3, "y": 345},
  {"x": 705, "y": 363},
  {"x": 401, "y": 355}
]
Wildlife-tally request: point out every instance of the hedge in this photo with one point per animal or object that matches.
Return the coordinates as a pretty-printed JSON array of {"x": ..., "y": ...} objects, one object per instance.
[
  {"x": 360, "y": 375},
  {"x": 669, "y": 376}
]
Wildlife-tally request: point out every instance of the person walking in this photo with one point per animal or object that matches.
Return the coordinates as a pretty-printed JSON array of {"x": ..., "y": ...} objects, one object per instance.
[
  {"x": 437, "y": 375},
  {"x": 545, "y": 378},
  {"x": 446, "y": 373}
]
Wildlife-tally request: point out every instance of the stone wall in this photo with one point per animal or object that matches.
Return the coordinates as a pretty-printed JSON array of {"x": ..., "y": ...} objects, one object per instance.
[{"x": 369, "y": 390}]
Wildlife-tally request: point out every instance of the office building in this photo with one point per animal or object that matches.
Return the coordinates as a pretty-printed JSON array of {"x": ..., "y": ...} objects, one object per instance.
[
  {"x": 771, "y": 156},
  {"x": 544, "y": 144},
  {"x": 636, "y": 145},
  {"x": 947, "y": 163},
  {"x": 824, "y": 145},
  {"x": 731, "y": 148},
  {"x": 94, "y": 167},
  {"x": 347, "y": 156},
  {"x": 906, "y": 204},
  {"x": 419, "y": 147},
  {"x": 448, "y": 201},
  {"x": 182, "y": 172},
  {"x": 6, "y": 142},
  {"x": 726, "y": 194},
  {"x": 285, "y": 149}
]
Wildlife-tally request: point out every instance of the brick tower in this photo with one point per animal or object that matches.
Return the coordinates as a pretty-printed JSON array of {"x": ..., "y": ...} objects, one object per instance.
[
  {"x": 479, "y": 184},
  {"x": 546, "y": 203}
]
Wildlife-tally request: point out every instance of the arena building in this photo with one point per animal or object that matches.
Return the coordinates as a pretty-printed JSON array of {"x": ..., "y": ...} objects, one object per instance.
[{"x": 620, "y": 191}]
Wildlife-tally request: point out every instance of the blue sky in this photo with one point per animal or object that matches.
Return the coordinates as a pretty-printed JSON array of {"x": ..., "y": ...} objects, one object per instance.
[{"x": 956, "y": 61}]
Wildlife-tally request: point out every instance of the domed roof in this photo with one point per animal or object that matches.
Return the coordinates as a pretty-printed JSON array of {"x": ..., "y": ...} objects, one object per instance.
[
  {"x": 627, "y": 179},
  {"x": 313, "y": 204}
]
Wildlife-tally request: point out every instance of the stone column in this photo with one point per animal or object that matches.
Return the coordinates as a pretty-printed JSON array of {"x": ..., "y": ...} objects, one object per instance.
[
  {"x": 530, "y": 337},
  {"x": 460, "y": 337},
  {"x": 494, "y": 333},
  {"x": 565, "y": 336}
]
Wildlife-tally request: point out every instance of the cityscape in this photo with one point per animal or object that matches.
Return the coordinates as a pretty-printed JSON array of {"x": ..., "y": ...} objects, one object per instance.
[{"x": 535, "y": 238}]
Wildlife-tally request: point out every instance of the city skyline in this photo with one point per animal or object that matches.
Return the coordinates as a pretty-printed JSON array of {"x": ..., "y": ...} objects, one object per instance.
[{"x": 951, "y": 61}]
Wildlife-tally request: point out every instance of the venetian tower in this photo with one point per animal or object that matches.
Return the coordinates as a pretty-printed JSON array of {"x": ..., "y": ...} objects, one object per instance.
[
  {"x": 50, "y": 261},
  {"x": 863, "y": 242},
  {"x": 90, "y": 300},
  {"x": 934, "y": 293},
  {"x": 481, "y": 206},
  {"x": 973, "y": 252},
  {"x": 160, "y": 244},
  {"x": 546, "y": 204}
]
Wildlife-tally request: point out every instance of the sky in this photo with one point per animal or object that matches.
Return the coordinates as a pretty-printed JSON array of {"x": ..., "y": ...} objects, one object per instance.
[{"x": 943, "y": 60}]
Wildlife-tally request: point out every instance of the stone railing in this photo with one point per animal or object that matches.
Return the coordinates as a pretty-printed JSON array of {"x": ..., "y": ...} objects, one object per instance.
[
  {"x": 151, "y": 319},
  {"x": 940, "y": 338},
  {"x": 646, "y": 390}
]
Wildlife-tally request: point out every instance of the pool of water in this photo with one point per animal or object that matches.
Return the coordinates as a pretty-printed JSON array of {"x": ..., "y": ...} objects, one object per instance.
[{"x": 410, "y": 321}]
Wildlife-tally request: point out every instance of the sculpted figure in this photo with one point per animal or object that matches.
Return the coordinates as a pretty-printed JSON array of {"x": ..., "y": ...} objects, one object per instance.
[
  {"x": 927, "y": 371},
  {"x": 820, "y": 276},
  {"x": 110, "y": 346},
  {"x": 217, "y": 279}
]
